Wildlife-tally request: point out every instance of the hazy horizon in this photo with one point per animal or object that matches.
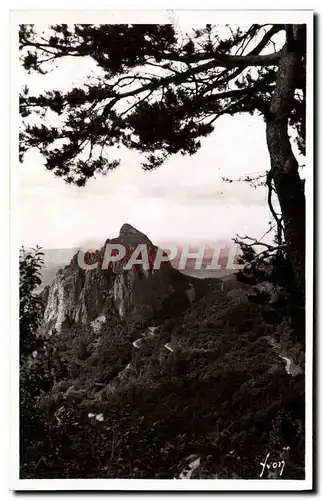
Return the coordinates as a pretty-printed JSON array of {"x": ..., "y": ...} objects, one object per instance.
[{"x": 184, "y": 200}]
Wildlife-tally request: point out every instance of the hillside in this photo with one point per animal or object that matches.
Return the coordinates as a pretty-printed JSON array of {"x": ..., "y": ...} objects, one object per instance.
[{"x": 201, "y": 388}]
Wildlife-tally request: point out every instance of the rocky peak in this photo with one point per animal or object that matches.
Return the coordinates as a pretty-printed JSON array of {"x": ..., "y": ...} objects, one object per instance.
[
  {"x": 83, "y": 295},
  {"x": 127, "y": 230},
  {"x": 130, "y": 236}
]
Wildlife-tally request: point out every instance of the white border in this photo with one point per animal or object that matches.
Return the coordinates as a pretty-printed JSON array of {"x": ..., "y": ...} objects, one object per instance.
[
  {"x": 309, "y": 249},
  {"x": 154, "y": 16},
  {"x": 192, "y": 17}
]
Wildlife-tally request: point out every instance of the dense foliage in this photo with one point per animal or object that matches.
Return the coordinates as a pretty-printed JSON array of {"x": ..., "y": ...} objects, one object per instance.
[
  {"x": 33, "y": 373},
  {"x": 272, "y": 268},
  {"x": 116, "y": 411},
  {"x": 30, "y": 306},
  {"x": 156, "y": 89}
]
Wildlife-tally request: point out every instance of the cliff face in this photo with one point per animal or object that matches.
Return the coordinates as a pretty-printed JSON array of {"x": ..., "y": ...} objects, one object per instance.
[
  {"x": 136, "y": 294},
  {"x": 76, "y": 295}
]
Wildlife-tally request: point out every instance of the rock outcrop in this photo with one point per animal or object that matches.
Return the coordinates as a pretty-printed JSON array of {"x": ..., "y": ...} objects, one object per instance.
[{"x": 83, "y": 295}]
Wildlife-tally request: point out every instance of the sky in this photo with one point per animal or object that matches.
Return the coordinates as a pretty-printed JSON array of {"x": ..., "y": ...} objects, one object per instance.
[{"x": 184, "y": 201}]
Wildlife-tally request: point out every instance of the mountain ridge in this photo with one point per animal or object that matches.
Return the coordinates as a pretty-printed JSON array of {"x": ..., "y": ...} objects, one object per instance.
[{"x": 136, "y": 294}]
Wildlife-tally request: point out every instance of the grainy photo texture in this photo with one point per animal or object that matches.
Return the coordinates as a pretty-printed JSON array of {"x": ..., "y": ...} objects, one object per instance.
[{"x": 162, "y": 252}]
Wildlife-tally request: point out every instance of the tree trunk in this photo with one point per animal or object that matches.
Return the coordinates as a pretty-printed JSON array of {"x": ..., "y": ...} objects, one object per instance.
[{"x": 284, "y": 166}]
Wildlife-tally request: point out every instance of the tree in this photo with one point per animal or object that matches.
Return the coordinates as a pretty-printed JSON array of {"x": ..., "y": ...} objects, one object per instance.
[
  {"x": 159, "y": 91},
  {"x": 32, "y": 378},
  {"x": 31, "y": 307}
]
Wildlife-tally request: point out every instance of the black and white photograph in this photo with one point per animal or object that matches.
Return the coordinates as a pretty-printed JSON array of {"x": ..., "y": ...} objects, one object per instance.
[{"x": 163, "y": 189}]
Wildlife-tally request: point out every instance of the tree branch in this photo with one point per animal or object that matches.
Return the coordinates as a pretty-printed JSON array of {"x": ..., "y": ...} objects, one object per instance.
[
  {"x": 265, "y": 253},
  {"x": 266, "y": 38}
]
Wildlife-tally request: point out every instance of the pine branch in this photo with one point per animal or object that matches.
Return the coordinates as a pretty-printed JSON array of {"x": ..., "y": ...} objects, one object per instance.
[{"x": 265, "y": 254}]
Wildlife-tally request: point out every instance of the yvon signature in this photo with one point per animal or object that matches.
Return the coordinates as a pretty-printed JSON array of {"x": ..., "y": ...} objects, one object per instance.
[{"x": 279, "y": 465}]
